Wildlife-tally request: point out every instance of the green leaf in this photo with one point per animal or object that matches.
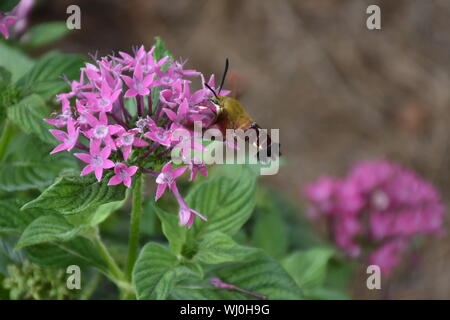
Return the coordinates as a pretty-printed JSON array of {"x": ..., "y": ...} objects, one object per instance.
[
  {"x": 45, "y": 78},
  {"x": 79, "y": 251},
  {"x": 45, "y": 33},
  {"x": 327, "y": 294},
  {"x": 270, "y": 234},
  {"x": 5, "y": 76},
  {"x": 28, "y": 114},
  {"x": 226, "y": 202},
  {"x": 8, "y": 5},
  {"x": 171, "y": 229},
  {"x": 8, "y": 255},
  {"x": 309, "y": 268},
  {"x": 73, "y": 194},
  {"x": 263, "y": 275},
  {"x": 217, "y": 247},
  {"x": 47, "y": 229},
  {"x": 14, "y": 60},
  {"x": 161, "y": 49},
  {"x": 29, "y": 165},
  {"x": 259, "y": 274},
  {"x": 157, "y": 271},
  {"x": 12, "y": 220}
]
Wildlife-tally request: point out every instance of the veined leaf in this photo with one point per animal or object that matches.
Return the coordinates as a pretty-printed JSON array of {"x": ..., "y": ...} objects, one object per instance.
[
  {"x": 45, "y": 78},
  {"x": 73, "y": 194},
  {"x": 47, "y": 229},
  {"x": 171, "y": 229},
  {"x": 259, "y": 274},
  {"x": 79, "y": 251},
  {"x": 217, "y": 247},
  {"x": 157, "y": 271},
  {"x": 12, "y": 220},
  {"x": 45, "y": 33},
  {"x": 28, "y": 114},
  {"x": 29, "y": 165},
  {"x": 227, "y": 203},
  {"x": 263, "y": 275},
  {"x": 14, "y": 60},
  {"x": 309, "y": 267}
]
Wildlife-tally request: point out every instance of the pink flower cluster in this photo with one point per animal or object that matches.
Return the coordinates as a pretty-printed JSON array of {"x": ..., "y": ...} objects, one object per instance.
[
  {"x": 378, "y": 206},
  {"x": 110, "y": 115},
  {"x": 16, "y": 19}
]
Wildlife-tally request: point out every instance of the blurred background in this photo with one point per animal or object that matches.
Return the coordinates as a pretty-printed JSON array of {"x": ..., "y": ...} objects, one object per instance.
[{"x": 337, "y": 91}]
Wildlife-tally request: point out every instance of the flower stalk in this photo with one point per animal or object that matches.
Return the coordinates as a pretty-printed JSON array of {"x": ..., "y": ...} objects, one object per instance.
[
  {"x": 135, "y": 223},
  {"x": 5, "y": 138}
]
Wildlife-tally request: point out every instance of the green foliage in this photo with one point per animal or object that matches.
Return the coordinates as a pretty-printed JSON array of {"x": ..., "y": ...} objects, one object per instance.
[
  {"x": 47, "y": 229},
  {"x": 74, "y": 194},
  {"x": 16, "y": 62},
  {"x": 259, "y": 274},
  {"x": 161, "y": 49},
  {"x": 228, "y": 203},
  {"x": 270, "y": 233},
  {"x": 28, "y": 114},
  {"x": 45, "y": 33},
  {"x": 8, "y": 5},
  {"x": 308, "y": 268},
  {"x": 157, "y": 271},
  {"x": 217, "y": 247},
  {"x": 45, "y": 76},
  {"x": 12, "y": 220},
  {"x": 33, "y": 168}
]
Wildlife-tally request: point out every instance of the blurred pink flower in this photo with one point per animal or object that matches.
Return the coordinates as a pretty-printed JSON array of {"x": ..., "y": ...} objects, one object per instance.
[
  {"x": 6, "y": 22},
  {"x": 379, "y": 205}
]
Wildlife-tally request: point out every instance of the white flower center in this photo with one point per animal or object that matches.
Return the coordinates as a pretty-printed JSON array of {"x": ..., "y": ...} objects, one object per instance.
[
  {"x": 127, "y": 139},
  {"x": 100, "y": 131},
  {"x": 165, "y": 178},
  {"x": 380, "y": 200},
  {"x": 104, "y": 102},
  {"x": 97, "y": 161},
  {"x": 141, "y": 123},
  {"x": 123, "y": 173}
]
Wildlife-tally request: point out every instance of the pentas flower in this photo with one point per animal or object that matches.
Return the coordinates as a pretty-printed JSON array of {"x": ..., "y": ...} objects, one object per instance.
[
  {"x": 69, "y": 138},
  {"x": 167, "y": 179},
  {"x": 6, "y": 22},
  {"x": 101, "y": 130},
  {"x": 123, "y": 175},
  {"x": 139, "y": 84},
  {"x": 17, "y": 19},
  {"x": 376, "y": 210},
  {"x": 109, "y": 112},
  {"x": 97, "y": 160},
  {"x": 127, "y": 140}
]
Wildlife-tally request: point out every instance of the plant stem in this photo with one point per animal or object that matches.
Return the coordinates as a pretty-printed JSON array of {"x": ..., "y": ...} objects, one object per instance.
[
  {"x": 114, "y": 271},
  {"x": 136, "y": 213},
  {"x": 89, "y": 290},
  {"x": 5, "y": 137}
]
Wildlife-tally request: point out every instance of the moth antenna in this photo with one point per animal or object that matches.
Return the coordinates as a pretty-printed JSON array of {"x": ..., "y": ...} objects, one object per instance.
[
  {"x": 224, "y": 74},
  {"x": 215, "y": 94}
]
